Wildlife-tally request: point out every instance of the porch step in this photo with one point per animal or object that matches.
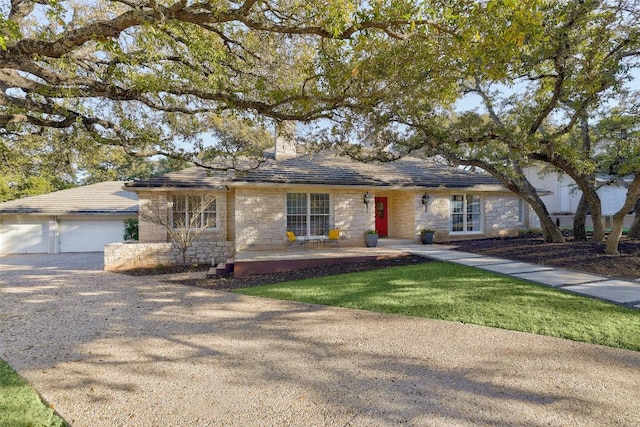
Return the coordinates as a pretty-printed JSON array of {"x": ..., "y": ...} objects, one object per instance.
[{"x": 222, "y": 269}]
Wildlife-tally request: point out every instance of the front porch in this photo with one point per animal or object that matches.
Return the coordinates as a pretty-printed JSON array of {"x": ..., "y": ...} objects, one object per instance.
[{"x": 313, "y": 255}]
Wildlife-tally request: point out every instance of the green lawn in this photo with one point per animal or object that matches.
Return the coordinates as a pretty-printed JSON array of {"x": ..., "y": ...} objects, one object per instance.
[
  {"x": 439, "y": 290},
  {"x": 20, "y": 405}
]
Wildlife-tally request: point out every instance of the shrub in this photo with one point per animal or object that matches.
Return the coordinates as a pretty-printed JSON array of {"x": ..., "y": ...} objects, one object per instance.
[{"x": 130, "y": 229}]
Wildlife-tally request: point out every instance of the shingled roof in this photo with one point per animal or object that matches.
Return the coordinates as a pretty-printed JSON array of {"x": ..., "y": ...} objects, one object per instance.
[
  {"x": 327, "y": 168},
  {"x": 104, "y": 197}
]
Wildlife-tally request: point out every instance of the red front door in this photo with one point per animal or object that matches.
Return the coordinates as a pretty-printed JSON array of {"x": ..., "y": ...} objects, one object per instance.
[{"x": 382, "y": 225}]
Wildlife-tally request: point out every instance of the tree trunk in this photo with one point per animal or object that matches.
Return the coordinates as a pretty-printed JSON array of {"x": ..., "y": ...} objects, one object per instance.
[
  {"x": 593, "y": 200},
  {"x": 579, "y": 220},
  {"x": 550, "y": 231},
  {"x": 634, "y": 231},
  {"x": 633, "y": 192}
]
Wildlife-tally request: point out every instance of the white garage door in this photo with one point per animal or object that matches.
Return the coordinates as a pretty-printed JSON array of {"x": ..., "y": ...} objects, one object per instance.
[
  {"x": 17, "y": 237},
  {"x": 89, "y": 235}
]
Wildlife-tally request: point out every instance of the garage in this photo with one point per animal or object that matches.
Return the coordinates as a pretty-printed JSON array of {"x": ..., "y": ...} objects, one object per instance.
[
  {"x": 81, "y": 219},
  {"x": 24, "y": 236},
  {"x": 83, "y": 235}
]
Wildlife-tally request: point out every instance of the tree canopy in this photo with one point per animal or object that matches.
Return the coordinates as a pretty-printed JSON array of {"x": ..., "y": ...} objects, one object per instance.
[
  {"x": 200, "y": 80},
  {"x": 542, "y": 72},
  {"x": 158, "y": 77}
]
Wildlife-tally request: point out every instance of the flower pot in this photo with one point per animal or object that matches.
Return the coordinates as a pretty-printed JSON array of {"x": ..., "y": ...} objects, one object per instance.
[
  {"x": 426, "y": 238},
  {"x": 371, "y": 240}
]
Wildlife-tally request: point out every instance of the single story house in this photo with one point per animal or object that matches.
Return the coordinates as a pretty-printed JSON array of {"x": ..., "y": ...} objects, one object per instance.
[
  {"x": 311, "y": 193},
  {"x": 82, "y": 219}
]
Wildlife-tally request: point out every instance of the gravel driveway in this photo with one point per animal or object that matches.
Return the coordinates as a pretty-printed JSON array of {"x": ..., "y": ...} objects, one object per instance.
[{"x": 112, "y": 350}]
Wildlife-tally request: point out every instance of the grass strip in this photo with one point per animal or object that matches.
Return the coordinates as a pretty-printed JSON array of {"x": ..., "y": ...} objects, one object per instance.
[
  {"x": 440, "y": 290},
  {"x": 20, "y": 405}
]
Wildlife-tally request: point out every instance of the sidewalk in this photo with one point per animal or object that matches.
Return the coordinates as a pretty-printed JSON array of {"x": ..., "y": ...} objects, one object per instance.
[{"x": 622, "y": 292}]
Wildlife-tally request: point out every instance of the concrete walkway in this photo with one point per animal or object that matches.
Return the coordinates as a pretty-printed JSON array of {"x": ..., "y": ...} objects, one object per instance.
[{"x": 623, "y": 292}]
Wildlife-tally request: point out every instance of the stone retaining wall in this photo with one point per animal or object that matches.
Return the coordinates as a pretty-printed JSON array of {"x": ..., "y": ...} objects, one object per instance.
[{"x": 131, "y": 255}]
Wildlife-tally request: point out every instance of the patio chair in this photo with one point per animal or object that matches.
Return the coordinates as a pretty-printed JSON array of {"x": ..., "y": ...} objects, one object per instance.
[
  {"x": 333, "y": 238},
  {"x": 293, "y": 241}
]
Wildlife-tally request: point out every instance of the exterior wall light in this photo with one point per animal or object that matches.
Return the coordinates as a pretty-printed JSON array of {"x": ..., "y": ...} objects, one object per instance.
[
  {"x": 425, "y": 201},
  {"x": 367, "y": 199}
]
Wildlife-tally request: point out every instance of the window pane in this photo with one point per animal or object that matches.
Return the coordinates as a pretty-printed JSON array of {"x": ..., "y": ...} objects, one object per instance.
[
  {"x": 457, "y": 222},
  {"x": 179, "y": 211},
  {"x": 319, "y": 204},
  {"x": 320, "y": 214},
  {"x": 308, "y": 214},
  {"x": 457, "y": 204},
  {"x": 473, "y": 213},
  {"x": 473, "y": 222},
  {"x": 297, "y": 213},
  {"x": 193, "y": 204},
  {"x": 187, "y": 212},
  {"x": 319, "y": 225},
  {"x": 297, "y": 224},
  {"x": 473, "y": 204},
  {"x": 296, "y": 203},
  {"x": 465, "y": 213},
  {"x": 209, "y": 215}
]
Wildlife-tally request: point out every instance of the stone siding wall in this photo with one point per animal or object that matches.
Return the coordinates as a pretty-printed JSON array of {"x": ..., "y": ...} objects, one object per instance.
[
  {"x": 260, "y": 220},
  {"x": 148, "y": 231},
  {"x": 131, "y": 255},
  {"x": 402, "y": 213},
  {"x": 351, "y": 217},
  {"x": 501, "y": 215},
  {"x": 436, "y": 215}
]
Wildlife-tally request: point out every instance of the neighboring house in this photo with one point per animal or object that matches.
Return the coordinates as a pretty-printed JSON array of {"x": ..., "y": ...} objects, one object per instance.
[
  {"x": 561, "y": 195},
  {"x": 81, "y": 219},
  {"x": 312, "y": 193}
]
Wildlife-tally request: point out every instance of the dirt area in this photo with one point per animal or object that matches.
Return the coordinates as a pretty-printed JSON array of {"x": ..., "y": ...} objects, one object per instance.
[{"x": 582, "y": 256}]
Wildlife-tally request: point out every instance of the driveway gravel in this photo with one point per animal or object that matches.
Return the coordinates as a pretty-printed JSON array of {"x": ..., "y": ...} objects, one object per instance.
[{"x": 112, "y": 350}]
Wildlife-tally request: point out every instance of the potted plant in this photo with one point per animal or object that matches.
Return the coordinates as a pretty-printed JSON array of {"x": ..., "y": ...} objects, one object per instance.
[
  {"x": 371, "y": 238},
  {"x": 426, "y": 236}
]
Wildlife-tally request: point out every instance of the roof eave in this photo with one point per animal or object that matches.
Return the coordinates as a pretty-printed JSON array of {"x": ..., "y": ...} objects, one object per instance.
[{"x": 478, "y": 187}]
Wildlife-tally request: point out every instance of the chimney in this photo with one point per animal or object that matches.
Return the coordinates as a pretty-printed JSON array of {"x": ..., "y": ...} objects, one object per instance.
[{"x": 285, "y": 140}]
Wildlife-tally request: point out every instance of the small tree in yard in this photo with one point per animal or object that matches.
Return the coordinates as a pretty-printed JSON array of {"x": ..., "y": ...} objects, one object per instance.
[{"x": 183, "y": 216}]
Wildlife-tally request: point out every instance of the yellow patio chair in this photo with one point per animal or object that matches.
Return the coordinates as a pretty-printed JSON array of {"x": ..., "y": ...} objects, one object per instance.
[
  {"x": 293, "y": 241},
  {"x": 333, "y": 237}
]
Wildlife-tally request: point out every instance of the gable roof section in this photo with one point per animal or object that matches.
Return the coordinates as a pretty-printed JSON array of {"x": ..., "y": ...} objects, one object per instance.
[
  {"x": 101, "y": 198},
  {"x": 326, "y": 168}
]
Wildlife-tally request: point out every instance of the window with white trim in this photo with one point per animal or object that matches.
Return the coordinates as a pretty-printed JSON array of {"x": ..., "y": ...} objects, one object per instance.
[
  {"x": 465, "y": 214},
  {"x": 308, "y": 214},
  {"x": 194, "y": 211}
]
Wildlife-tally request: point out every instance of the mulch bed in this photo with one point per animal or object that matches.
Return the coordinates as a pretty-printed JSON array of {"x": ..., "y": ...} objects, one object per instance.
[
  {"x": 231, "y": 282},
  {"x": 582, "y": 256}
]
